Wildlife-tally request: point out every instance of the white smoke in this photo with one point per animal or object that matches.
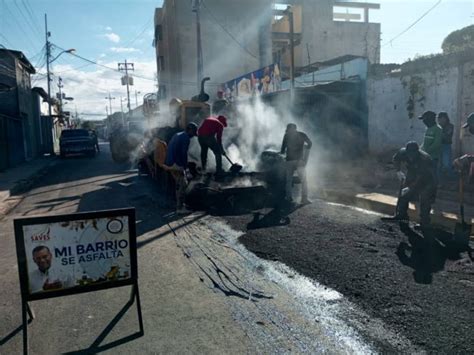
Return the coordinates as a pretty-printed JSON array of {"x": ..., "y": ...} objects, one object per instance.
[{"x": 255, "y": 127}]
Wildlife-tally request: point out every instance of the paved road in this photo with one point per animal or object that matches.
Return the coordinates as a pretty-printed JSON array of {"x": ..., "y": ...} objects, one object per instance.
[
  {"x": 202, "y": 291},
  {"x": 180, "y": 314},
  {"x": 421, "y": 286}
]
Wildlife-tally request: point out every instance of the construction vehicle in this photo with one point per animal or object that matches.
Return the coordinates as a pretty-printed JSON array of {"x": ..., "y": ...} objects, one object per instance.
[
  {"x": 235, "y": 190},
  {"x": 181, "y": 112}
]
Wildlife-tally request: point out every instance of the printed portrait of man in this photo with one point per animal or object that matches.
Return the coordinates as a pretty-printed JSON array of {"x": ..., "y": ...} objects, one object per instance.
[{"x": 46, "y": 277}]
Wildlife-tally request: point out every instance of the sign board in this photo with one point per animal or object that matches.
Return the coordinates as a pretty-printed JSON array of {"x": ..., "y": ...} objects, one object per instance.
[
  {"x": 75, "y": 253},
  {"x": 67, "y": 254}
]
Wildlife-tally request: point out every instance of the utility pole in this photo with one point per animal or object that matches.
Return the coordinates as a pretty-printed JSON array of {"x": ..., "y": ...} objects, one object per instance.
[
  {"x": 136, "y": 97},
  {"x": 60, "y": 97},
  {"x": 309, "y": 61},
  {"x": 292, "y": 46},
  {"x": 196, "y": 7},
  {"x": 110, "y": 98},
  {"x": 126, "y": 67},
  {"x": 48, "y": 58}
]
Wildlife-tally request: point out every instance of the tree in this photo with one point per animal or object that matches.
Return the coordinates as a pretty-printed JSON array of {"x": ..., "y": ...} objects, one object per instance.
[
  {"x": 88, "y": 125},
  {"x": 459, "y": 40}
]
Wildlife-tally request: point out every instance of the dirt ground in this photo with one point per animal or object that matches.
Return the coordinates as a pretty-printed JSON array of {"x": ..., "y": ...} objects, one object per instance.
[{"x": 421, "y": 287}]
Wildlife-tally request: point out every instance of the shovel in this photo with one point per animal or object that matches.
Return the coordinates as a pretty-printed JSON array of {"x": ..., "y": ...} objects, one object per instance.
[
  {"x": 462, "y": 231},
  {"x": 235, "y": 168}
]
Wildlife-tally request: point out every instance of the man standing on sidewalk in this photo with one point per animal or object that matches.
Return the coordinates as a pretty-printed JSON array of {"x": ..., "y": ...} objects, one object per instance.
[
  {"x": 420, "y": 182},
  {"x": 433, "y": 137},
  {"x": 294, "y": 144},
  {"x": 177, "y": 162},
  {"x": 445, "y": 166}
]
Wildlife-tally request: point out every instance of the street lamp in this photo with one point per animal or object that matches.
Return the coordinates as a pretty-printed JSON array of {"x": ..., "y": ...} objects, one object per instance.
[
  {"x": 48, "y": 63},
  {"x": 72, "y": 50},
  {"x": 110, "y": 98}
]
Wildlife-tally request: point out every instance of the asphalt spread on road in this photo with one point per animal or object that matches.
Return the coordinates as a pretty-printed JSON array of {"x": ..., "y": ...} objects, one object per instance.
[{"x": 420, "y": 287}]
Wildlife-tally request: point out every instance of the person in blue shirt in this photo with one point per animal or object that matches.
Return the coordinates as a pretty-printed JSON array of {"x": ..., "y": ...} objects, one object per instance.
[{"x": 177, "y": 162}]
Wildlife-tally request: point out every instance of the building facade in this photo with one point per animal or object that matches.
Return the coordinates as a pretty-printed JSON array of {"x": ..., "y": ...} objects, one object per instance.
[
  {"x": 325, "y": 30},
  {"x": 224, "y": 56},
  {"x": 239, "y": 37},
  {"x": 26, "y": 130},
  {"x": 16, "y": 108}
]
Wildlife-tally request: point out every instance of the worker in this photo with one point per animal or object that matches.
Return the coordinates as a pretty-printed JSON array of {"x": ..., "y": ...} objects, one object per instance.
[
  {"x": 294, "y": 145},
  {"x": 419, "y": 182},
  {"x": 95, "y": 140},
  {"x": 432, "y": 143},
  {"x": 445, "y": 166},
  {"x": 210, "y": 136},
  {"x": 177, "y": 162},
  {"x": 465, "y": 163},
  {"x": 467, "y": 136}
]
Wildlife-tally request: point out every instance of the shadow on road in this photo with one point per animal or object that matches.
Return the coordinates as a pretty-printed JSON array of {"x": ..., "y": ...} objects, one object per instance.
[
  {"x": 278, "y": 216},
  {"x": 12, "y": 334},
  {"x": 96, "y": 346},
  {"x": 426, "y": 253}
]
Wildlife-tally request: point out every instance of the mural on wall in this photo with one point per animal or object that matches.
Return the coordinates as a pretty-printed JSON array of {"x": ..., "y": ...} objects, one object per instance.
[{"x": 259, "y": 82}]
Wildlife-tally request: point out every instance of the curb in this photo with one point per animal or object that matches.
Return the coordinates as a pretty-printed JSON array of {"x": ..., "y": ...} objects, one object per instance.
[
  {"x": 385, "y": 204},
  {"x": 22, "y": 186}
]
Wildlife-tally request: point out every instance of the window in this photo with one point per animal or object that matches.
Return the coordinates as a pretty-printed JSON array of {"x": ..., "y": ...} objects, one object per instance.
[
  {"x": 158, "y": 33},
  {"x": 162, "y": 92}
]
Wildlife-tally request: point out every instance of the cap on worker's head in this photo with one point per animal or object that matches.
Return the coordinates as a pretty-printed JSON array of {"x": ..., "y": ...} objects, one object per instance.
[
  {"x": 291, "y": 126},
  {"x": 192, "y": 127},
  {"x": 443, "y": 114},
  {"x": 427, "y": 115},
  {"x": 222, "y": 120},
  {"x": 470, "y": 120},
  {"x": 412, "y": 147}
]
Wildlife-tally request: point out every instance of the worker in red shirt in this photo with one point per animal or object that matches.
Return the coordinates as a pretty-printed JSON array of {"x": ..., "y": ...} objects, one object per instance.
[{"x": 210, "y": 137}]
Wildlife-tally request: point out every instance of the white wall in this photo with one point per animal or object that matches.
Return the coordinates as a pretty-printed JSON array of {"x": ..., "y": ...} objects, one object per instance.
[
  {"x": 390, "y": 125},
  {"x": 328, "y": 39}
]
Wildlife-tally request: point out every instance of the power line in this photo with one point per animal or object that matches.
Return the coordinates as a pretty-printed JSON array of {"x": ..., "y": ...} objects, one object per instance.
[
  {"x": 135, "y": 75},
  {"x": 214, "y": 18},
  {"x": 413, "y": 24},
  {"x": 34, "y": 30},
  {"x": 30, "y": 11},
  {"x": 25, "y": 33},
  {"x": 129, "y": 43},
  {"x": 101, "y": 65}
]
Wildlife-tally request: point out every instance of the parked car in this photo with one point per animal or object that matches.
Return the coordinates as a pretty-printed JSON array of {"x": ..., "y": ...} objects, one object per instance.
[{"x": 76, "y": 141}]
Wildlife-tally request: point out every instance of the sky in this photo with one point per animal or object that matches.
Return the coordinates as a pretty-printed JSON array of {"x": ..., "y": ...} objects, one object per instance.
[{"x": 110, "y": 31}]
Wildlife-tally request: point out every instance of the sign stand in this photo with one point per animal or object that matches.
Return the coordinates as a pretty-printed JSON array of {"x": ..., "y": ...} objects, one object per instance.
[
  {"x": 28, "y": 315},
  {"x": 115, "y": 226}
]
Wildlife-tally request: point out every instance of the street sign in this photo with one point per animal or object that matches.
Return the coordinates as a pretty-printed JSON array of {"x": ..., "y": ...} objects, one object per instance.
[{"x": 68, "y": 254}]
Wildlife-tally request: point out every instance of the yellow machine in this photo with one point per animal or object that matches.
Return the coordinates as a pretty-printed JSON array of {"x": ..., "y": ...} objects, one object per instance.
[
  {"x": 186, "y": 111},
  {"x": 182, "y": 113}
]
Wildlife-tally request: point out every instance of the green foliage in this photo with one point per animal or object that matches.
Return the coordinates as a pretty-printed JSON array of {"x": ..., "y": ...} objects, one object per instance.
[
  {"x": 88, "y": 125},
  {"x": 459, "y": 40}
]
